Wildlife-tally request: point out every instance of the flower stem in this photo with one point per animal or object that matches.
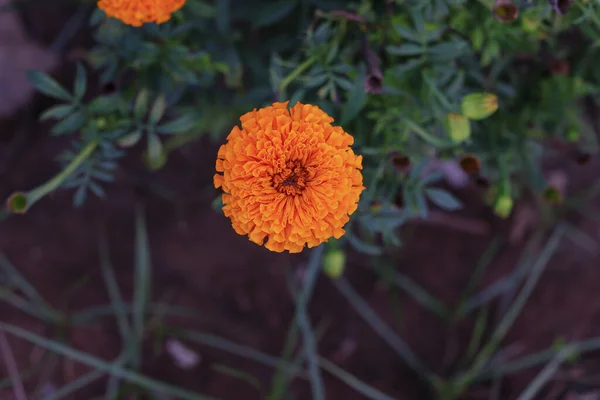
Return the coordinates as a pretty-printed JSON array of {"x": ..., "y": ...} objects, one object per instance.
[
  {"x": 426, "y": 136},
  {"x": 31, "y": 197},
  {"x": 296, "y": 73}
]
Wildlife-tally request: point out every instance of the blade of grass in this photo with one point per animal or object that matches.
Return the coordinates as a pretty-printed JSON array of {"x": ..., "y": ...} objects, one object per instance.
[
  {"x": 298, "y": 361},
  {"x": 536, "y": 271},
  {"x": 310, "y": 346},
  {"x": 419, "y": 294},
  {"x": 396, "y": 343},
  {"x": 25, "y": 306},
  {"x": 28, "y": 290},
  {"x": 120, "y": 313},
  {"x": 238, "y": 374},
  {"x": 545, "y": 374},
  {"x": 352, "y": 381},
  {"x": 478, "y": 331},
  {"x": 99, "y": 364},
  {"x": 107, "y": 310},
  {"x": 11, "y": 367},
  {"x": 76, "y": 385},
  {"x": 484, "y": 262},
  {"x": 506, "y": 284},
  {"x": 236, "y": 349},
  {"x": 142, "y": 287},
  {"x": 112, "y": 287},
  {"x": 538, "y": 358},
  {"x": 279, "y": 381}
]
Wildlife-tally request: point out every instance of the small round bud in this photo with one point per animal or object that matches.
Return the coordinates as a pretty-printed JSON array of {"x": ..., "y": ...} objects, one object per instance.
[
  {"x": 478, "y": 106},
  {"x": 334, "y": 263},
  {"x": 552, "y": 195},
  {"x": 17, "y": 203},
  {"x": 458, "y": 127},
  {"x": 503, "y": 207}
]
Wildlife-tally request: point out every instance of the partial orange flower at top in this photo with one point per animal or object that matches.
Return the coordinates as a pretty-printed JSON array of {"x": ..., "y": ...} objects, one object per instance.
[
  {"x": 289, "y": 177},
  {"x": 139, "y": 12}
]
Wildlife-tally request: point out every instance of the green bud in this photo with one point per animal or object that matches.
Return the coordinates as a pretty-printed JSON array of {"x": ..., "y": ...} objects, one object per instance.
[
  {"x": 478, "y": 106},
  {"x": 573, "y": 135},
  {"x": 503, "y": 206},
  {"x": 552, "y": 195},
  {"x": 17, "y": 203},
  {"x": 458, "y": 127},
  {"x": 101, "y": 123},
  {"x": 334, "y": 263},
  {"x": 530, "y": 24}
]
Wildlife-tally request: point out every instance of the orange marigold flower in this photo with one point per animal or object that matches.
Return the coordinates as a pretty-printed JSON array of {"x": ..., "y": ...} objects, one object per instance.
[
  {"x": 289, "y": 177},
  {"x": 138, "y": 12}
]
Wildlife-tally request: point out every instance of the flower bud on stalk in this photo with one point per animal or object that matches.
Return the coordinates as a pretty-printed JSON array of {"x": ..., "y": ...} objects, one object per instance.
[
  {"x": 334, "y": 263},
  {"x": 505, "y": 11},
  {"x": 458, "y": 127},
  {"x": 477, "y": 106},
  {"x": 504, "y": 205}
]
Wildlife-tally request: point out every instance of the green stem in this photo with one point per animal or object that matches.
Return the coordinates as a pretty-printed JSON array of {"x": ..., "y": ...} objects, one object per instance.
[
  {"x": 36, "y": 194},
  {"x": 297, "y": 72},
  {"x": 426, "y": 136}
]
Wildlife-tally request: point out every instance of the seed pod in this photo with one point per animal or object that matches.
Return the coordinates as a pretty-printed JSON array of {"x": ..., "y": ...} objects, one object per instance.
[
  {"x": 458, "y": 127},
  {"x": 505, "y": 11},
  {"x": 503, "y": 207},
  {"x": 400, "y": 162},
  {"x": 470, "y": 164},
  {"x": 478, "y": 106},
  {"x": 334, "y": 263}
]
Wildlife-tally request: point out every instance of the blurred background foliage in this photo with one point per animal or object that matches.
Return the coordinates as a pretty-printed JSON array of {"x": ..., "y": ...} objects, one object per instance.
[{"x": 394, "y": 74}]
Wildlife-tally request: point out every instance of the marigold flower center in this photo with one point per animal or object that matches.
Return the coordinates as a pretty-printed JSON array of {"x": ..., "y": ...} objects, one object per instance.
[{"x": 292, "y": 180}]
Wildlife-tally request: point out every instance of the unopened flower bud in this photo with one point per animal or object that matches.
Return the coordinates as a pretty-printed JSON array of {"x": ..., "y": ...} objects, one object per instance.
[
  {"x": 530, "y": 24},
  {"x": 334, "y": 263},
  {"x": 552, "y": 195},
  {"x": 478, "y": 106},
  {"x": 458, "y": 127},
  {"x": 503, "y": 206},
  {"x": 505, "y": 11},
  {"x": 470, "y": 164},
  {"x": 17, "y": 203}
]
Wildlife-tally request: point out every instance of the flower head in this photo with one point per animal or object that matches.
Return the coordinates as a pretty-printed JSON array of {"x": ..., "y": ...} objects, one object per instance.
[
  {"x": 289, "y": 177},
  {"x": 138, "y": 12}
]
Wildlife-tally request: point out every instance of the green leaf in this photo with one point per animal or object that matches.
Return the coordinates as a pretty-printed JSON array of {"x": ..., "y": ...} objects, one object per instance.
[
  {"x": 158, "y": 110},
  {"x": 407, "y": 34},
  {"x": 69, "y": 125},
  {"x": 141, "y": 104},
  {"x": 130, "y": 139},
  {"x": 357, "y": 99},
  {"x": 80, "y": 82},
  {"x": 272, "y": 13},
  {"x": 182, "y": 124},
  {"x": 447, "y": 51},
  {"x": 362, "y": 246},
  {"x": 406, "y": 49},
  {"x": 57, "y": 112},
  {"x": 155, "y": 154},
  {"x": 104, "y": 104},
  {"x": 443, "y": 199},
  {"x": 47, "y": 85}
]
